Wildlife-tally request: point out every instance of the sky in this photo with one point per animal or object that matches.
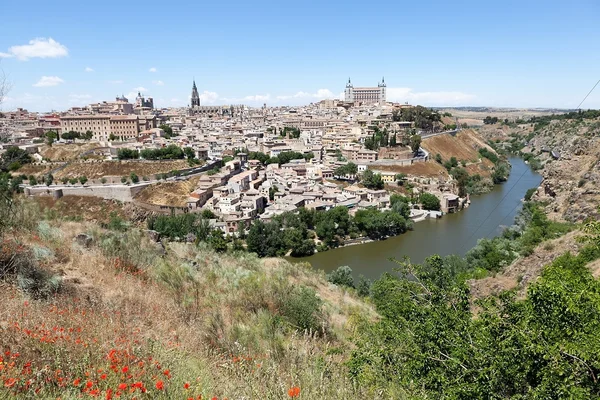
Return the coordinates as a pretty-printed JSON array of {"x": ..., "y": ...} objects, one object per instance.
[{"x": 506, "y": 53}]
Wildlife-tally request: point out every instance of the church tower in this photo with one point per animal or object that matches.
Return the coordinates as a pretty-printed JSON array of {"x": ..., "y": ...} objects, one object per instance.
[
  {"x": 195, "y": 96},
  {"x": 349, "y": 92}
]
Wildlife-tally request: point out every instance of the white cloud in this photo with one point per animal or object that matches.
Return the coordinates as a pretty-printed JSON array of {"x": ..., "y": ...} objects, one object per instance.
[
  {"x": 88, "y": 69},
  {"x": 207, "y": 97},
  {"x": 79, "y": 99},
  {"x": 257, "y": 98},
  {"x": 402, "y": 95},
  {"x": 158, "y": 83},
  {"x": 80, "y": 96},
  {"x": 152, "y": 69},
  {"x": 116, "y": 82},
  {"x": 46, "y": 81},
  {"x": 37, "y": 48},
  {"x": 321, "y": 94},
  {"x": 140, "y": 89}
]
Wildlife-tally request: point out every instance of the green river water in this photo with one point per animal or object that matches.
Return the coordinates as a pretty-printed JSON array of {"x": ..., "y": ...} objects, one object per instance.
[{"x": 451, "y": 234}]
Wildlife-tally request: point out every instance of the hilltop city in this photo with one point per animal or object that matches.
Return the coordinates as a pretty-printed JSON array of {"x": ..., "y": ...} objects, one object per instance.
[{"x": 242, "y": 163}]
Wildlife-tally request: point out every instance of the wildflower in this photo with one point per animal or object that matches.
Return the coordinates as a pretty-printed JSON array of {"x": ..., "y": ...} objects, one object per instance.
[
  {"x": 109, "y": 395},
  {"x": 10, "y": 382},
  {"x": 294, "y": 391},
  {"x": 122, "y": 386},
  {"x": 167, "y": 372},
  {"x": 76, "y": 382},
  {"x": 89, "y": 384},
  {"x": 125, "y": 369},
  {"x": 186, "y": 385},
  {"x": 94, "y": 392},
  {"x": 160, "y": 385},
  {"x": 103, "y": 376}
]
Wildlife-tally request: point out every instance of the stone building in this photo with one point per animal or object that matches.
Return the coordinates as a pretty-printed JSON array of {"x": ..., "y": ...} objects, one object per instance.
[{"x": 365, "y": 95}]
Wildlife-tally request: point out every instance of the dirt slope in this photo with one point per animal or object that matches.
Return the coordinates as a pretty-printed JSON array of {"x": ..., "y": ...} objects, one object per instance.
[
  {"x": 168, "y": 193},
  {"x": 65, "y": 152},
  {"x": 95, "y": 170},
  {"x": 463, "y": 146}
]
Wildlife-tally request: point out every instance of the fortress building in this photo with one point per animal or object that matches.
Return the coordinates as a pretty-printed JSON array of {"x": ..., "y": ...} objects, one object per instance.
[{"x": 365, "y": 95}]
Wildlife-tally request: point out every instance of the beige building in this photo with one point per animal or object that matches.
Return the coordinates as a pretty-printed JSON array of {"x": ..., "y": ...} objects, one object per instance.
[
  {"x": 365, "y": 95},
  {"x": 123, "y": 127}
]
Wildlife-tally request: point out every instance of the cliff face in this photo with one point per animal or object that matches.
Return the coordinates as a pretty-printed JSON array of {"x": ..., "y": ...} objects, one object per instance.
[{"x": 568, "y": 152}]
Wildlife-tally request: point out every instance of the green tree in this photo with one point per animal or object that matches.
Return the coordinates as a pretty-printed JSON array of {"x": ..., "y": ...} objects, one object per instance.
[
  {"x": 217, "y": 241},
  {"x": 167, "y": 129},
  {"x": 134, "y": 178},
  {"x": 83, "y": 180},
  {"x": 127, "y": 154},
  {"x": 415, "y": 143},
  {"x": 429, "y": 201},
  {"x": 189, "y": 153},
  {"x": 48, "y": 179},
  {"x": 13, "y": 156},
  {"x": 372, "y": 180}
]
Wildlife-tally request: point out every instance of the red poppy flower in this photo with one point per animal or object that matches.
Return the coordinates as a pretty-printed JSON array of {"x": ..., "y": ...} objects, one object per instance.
[
  {"x": 89, "y": 384},
  {"x": 186, "y": 385},
  {"x": 294, "y": 391},
  {"x": 160, "y": 385},
  {"x": 125, "y": 369},
  {"x": 122, "y": 386},
  {"x": 10, "y": 382},
  {"x": 103, "y": 376},
  {"x": 76, "y": 382}
]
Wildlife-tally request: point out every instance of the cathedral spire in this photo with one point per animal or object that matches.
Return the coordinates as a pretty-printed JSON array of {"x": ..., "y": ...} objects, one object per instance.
[{"x": 195, "y": 95}]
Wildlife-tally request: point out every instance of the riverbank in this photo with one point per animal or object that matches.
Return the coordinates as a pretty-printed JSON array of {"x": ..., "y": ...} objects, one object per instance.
[{"x": 455, "y": 233}]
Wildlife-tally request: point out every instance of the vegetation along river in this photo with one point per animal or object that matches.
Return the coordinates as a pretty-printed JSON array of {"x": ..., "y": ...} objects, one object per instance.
[{"x": 452, "y": 234}]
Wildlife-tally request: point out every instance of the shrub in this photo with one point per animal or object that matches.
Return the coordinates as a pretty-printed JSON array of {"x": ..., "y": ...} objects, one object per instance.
[
  {"x": 302, "y": 309},
  {"x": 342, "y": 276}
]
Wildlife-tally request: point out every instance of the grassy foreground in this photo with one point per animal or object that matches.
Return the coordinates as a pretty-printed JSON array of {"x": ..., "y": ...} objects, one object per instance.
[{"x": 118, "y": 319}]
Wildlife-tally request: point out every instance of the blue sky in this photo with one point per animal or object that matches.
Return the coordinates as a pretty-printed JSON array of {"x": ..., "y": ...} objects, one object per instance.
[{"x": 436, "y": 53}]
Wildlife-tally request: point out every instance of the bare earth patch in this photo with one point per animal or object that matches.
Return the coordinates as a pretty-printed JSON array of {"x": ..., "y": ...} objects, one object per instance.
[
  {"x": 429, "y": 169},
  {"x": 95, "y": 170},
  {"x": 66, "y": 152},
  {"x": 168, "y": 193}
]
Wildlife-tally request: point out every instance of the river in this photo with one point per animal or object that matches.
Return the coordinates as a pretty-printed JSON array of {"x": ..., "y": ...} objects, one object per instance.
[{"x": 451, "y": 234}]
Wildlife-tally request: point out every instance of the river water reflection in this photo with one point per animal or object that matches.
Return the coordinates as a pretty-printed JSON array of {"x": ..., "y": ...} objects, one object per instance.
[{"x": 452, "y": 234}]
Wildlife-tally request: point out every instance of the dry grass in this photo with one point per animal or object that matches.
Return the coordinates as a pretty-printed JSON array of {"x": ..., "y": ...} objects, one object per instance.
[
  {"x": 80, "y": 208},
  {"x": 65, "y": 152},
  {"x": 30, "y": 169},
  {"x": 95, "y": 170},
  {"x": 429, "y": 169},
  {"x": 125, "y": 315},
  {"x": 171, "y": 193},
  {"x": 463, "y": 146}
]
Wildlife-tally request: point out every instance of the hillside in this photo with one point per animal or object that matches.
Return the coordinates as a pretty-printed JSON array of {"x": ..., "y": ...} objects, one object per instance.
[
  {"x": 168, "y": 193},
  {"x": 66, "y": 152},
  {"x": 570, "y": 185},
  {"x": 464, "y": 147},
  {"x": 89, "y": 311},
  {"x": 99, "y": 169}
]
